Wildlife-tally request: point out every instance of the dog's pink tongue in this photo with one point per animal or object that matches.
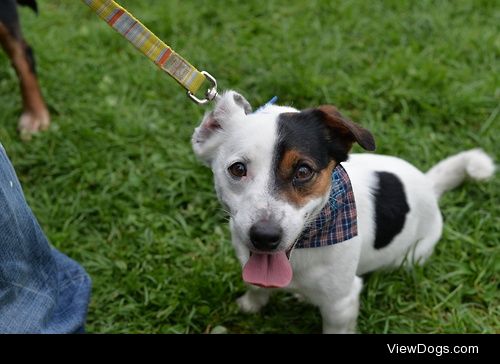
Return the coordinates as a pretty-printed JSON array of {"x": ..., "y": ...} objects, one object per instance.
[{"x": 268, "y": 270}]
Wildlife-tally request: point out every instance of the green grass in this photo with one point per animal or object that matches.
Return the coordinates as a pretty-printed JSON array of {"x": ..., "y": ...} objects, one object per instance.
[{"x": 115, "y": 185}]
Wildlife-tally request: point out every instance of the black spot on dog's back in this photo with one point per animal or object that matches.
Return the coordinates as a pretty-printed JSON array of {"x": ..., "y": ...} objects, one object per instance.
[{"x": 391, "y": 208}]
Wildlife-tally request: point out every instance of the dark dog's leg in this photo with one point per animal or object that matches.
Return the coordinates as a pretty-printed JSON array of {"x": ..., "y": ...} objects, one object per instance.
[{"x": 35, "y": 115}]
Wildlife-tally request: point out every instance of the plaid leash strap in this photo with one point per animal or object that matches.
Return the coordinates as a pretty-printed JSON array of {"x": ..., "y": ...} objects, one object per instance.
[
  {"x": 337, "y": 221},
  {"x": 148, "y": 43}
]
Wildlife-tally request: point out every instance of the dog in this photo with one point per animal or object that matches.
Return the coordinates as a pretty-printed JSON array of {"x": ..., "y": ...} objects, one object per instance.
[
  {"x": 35, "y": 116},
  {"x": 307, "y": 217}
]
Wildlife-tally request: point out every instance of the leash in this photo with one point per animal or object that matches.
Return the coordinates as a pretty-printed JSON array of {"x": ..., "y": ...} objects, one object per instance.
[{"x": 152, "y": 47}]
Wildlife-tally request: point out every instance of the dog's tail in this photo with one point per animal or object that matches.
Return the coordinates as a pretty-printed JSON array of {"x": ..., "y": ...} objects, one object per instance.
[{"x": 451, "y": 172}]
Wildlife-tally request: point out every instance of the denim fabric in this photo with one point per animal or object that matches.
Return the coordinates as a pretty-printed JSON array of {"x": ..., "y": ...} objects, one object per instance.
[{"x": 41, "y": 289}]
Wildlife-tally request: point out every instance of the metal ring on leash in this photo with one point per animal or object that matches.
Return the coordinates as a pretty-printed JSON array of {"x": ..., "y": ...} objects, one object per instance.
[{"x": 211, "y": 92}]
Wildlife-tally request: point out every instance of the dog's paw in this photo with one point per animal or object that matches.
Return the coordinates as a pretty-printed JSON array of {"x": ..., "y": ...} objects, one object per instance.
[
  {"x": 31, "y": 123},
  {"x": 247, "y": 305},
  {"x": 252, "y": 302},
  {"x": 300, "y": 298}
]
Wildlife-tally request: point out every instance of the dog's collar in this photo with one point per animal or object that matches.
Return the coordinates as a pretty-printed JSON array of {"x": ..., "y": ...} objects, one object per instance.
[
  {"x": 270, "y": 102},
  {"x": 337, "y": 221}
]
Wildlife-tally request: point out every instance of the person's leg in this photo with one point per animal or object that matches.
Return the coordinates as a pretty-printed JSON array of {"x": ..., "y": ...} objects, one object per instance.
[{"x": 41, "y": 289}]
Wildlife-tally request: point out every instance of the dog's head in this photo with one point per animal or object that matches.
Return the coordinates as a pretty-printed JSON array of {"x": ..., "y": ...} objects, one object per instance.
[{"x": 272, "y": 171}]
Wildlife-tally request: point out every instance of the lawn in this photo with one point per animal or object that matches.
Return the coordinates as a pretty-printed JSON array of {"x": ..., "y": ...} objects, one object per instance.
[{"x": 115, "y": 185}]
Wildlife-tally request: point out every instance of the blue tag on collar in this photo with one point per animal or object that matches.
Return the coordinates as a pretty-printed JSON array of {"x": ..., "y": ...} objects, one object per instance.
[{"x": 270, "y": 102}]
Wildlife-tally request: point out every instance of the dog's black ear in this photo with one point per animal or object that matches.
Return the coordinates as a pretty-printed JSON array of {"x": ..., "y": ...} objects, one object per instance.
[
  {"x": 348, "y": 131},
  {"x": 230, "y": 109}
]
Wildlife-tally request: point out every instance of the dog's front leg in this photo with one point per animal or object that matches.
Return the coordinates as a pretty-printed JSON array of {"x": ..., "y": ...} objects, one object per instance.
[
  {"x": 35, "y": 115},
  {"x": 340, "y": 314},
  {"x": 254, "y": 299},
  {"x": 327, "y": 278}
]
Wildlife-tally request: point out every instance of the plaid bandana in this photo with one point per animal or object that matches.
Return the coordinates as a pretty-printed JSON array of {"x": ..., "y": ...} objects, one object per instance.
[{"x": 337, "y": 221}]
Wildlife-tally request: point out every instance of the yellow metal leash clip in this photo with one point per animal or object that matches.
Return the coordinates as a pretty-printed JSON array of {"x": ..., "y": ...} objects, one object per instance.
[{"x": 211, "y": 92}]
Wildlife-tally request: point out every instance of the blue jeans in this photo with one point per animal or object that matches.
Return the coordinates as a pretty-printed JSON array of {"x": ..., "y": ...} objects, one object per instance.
[{"x": 41, "y": 289}]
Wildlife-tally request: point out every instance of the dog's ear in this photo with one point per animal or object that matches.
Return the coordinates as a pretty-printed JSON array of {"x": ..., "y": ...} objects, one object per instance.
[
  {"x": 346, "y": 130},
  {"x": 230, "y": 109}
]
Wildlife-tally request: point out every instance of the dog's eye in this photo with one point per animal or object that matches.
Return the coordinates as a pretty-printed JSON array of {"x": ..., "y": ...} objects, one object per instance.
[
  {"x": 303, "y": 173},
  {"x": 238, "y": 170}
]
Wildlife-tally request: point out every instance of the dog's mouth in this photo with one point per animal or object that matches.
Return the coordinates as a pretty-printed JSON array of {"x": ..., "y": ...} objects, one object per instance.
[{"x": 268, "y": 270}]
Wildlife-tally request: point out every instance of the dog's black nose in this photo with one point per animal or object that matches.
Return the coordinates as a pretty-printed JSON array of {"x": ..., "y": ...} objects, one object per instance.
[{"x": 265, "y": 235}]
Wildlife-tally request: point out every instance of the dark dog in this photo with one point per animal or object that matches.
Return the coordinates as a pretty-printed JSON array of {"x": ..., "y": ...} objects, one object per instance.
[{"x": 35, "y": 116}]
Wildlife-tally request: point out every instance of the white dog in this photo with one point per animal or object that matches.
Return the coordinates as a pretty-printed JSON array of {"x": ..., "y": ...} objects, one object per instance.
[{"x": 310, "y": 219}]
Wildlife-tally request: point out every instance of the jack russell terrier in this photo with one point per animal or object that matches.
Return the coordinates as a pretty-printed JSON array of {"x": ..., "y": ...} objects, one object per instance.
[{"x": 306, "y": 217}]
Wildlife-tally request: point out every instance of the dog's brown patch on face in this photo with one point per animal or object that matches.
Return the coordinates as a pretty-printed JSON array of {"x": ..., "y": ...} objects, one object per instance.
[
  {"x": 298, "y": 193},
  {"x": 288, "y": 163},
  {"x": 323, "y": 181}
]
